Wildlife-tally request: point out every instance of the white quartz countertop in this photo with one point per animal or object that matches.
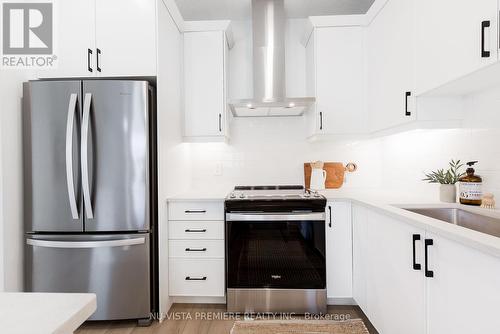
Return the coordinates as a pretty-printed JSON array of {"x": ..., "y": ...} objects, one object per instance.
[
  {"x": 391, "y": 203},
  {"x": 44, "y": 313}
]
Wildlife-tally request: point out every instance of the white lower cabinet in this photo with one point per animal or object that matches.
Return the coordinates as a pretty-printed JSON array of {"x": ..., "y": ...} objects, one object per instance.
[
  {"x": 196, "y": 248},
  {"x": 197, "y": 230},
  {"x": 454, "y": 291},
  {"x": 195, "y": 277},
  {"x": 359, "y": 256},
  {"x": 463, "y": 296},
  {"x": 394, "y": 287},
  {"x": 339, "y": 251}
]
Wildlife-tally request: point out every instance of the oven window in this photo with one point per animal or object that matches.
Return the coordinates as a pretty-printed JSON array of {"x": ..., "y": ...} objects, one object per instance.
[{"x": 287, "y": 255}]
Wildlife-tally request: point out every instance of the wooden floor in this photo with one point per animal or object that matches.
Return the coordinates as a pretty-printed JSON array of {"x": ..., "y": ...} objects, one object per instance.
[{"x": 192, "y": 319}]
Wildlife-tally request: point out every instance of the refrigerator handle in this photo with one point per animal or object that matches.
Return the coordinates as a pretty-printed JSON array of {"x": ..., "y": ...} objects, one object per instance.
[
  {"x": 69, "y": 155},
  {"x": 85, "y": 156},
  {"x": 85, "y": 244}
]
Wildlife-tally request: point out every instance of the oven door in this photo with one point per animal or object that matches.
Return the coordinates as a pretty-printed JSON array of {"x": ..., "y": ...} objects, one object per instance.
[{"x": 276, "y": 250}]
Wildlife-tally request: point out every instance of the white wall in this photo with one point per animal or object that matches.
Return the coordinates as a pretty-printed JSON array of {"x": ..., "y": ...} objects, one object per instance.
[
  {"x": 173, "y": 155},
  {"x": 12, "y": 175},
  {"x": 1, "y": 215}
]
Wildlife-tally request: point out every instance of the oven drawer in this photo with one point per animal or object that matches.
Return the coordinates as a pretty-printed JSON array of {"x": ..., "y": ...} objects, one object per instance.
[
  {"x": 196, "y": 210},
  {"x": 196, "y": 277},
  {"x": 183, "y": 229},
  {"x": 196, "y": 248}
]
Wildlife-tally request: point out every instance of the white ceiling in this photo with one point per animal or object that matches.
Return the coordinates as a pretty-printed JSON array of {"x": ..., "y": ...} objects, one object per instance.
[{"x": 241, "y": 9}]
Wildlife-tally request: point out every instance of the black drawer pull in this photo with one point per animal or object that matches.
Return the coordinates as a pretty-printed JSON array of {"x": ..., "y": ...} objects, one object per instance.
[
  {"x": 188, "y": 278},
  {"x": 98, "y": 54},
  {"x": 428, "y": 273},
  {"x": 484, "y": 25},
  {"x": 321, "y": 120},
  {"x": 89, "y": 55},
  {"x": 195, "y": 211},
  {"x": 195, "y": 231},
  {"x": 196, "y": 249},
  {"x": 416, "y": 266},
  {"x": 330, "y": 210},
  {"x": 407, "y": 96}
]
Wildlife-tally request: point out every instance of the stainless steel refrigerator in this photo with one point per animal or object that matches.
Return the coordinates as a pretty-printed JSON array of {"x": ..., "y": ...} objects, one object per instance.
[{"x": 90, "y": 192}]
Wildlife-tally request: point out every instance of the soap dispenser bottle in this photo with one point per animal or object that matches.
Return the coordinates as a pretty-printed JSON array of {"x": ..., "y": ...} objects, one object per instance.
[{"x": 470, "y": 186}]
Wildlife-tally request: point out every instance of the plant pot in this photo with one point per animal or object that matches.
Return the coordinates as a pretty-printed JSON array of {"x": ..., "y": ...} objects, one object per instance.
[{"x": 448, "y": 193}]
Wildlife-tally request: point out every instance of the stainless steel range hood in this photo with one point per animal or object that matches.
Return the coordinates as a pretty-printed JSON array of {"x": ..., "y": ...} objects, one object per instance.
[{"x": 269, "y": 81}]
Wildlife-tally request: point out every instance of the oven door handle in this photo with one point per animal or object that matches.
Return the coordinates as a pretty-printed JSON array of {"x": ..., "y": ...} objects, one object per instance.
[{"x": 266, "y": 217}]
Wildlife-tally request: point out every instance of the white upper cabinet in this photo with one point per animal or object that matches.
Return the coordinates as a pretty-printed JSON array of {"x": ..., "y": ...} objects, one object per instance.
[
  {"x": 126, "y": 37},
  {"x": 463, "y": 294},
  {"x": 391, "y": 65},
  {"x": 336, "y": 77},
  {"x": 454, "y": 38},
  {"x": 75, "y": 38},
  {"x": 339, "y": 251},
  {"x": 205, "y": 86},
  {"x": 104, "y": 38}
]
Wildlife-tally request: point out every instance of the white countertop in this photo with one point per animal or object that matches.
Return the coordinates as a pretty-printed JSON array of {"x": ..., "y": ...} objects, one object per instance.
[
  {"x": 44, "y": 313},
  {"x": 390, "y": 203}
]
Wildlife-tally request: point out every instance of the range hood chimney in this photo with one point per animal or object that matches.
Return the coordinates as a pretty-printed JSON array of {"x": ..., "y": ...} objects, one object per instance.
[{"x": 269, "y": 81}]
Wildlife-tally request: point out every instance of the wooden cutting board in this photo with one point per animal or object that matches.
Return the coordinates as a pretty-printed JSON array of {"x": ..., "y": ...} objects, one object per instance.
[{"x": 334, "y": 174}]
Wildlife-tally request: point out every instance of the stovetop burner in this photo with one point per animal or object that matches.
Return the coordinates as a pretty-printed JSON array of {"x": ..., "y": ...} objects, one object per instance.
[
  {"x": 277, "y": 197},
  {"x": 282, "y": 187}
]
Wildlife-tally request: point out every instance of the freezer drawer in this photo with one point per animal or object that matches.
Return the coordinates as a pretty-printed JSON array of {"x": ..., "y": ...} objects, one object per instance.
[{"x": 114, "y": 267}]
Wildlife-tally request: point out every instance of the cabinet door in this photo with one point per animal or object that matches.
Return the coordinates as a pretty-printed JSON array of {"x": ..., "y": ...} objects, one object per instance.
[
  {"x": 449, "y": 39},
  {"x": 340, "y": 80},
  {"x": 339, "y": 250},
  {"x": 359, "y": 256},
  {"x": 126, "y": 37},
  {"x": 395, "y": 290},
  {"x": 74, "y": 36},
  {"x": 391, "y": 65},
  {"x": 204, "y": 105},
  {"x": 463, "y": 295}
]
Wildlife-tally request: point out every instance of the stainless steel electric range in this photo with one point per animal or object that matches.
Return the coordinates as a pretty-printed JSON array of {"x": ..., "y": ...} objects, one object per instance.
[{"x": 275, "y": 250}]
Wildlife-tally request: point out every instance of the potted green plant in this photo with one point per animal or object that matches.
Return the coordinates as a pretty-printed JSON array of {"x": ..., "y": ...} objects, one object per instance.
[{"x": 447, "y": 180}]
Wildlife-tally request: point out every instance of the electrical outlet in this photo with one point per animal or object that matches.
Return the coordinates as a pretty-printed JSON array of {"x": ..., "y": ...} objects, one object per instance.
[{"x": 218, "y": 169}]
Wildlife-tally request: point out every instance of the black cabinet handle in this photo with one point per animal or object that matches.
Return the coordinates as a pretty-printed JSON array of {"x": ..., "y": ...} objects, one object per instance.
[
  {"x": 220, "y": 122},
  {"x": 98, "y": 54},
  {"x": 89, "y": 56},
  {"x": 195, "y": 211},
  {"x": 428, "y": 273},
  {"x": 416, "y": 266},
  {"x": 195, "y": 231},
  {"x": 330, "y": 210},
  {"x": 407, "y": 96},
  {"x": 188, "y": 278},
  {"x": 196, "y": 249},
  {"x": 484, "y": 25},
  {"x": 321, "y": 120}
]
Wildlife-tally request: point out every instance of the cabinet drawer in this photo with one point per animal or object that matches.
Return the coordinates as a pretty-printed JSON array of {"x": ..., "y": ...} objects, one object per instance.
[
  {"x": 196, "y": 210},
  {"x": 195, "y": 277},
  {"x": 196, "y": 248},
  {"x": 183, "y": 229}
]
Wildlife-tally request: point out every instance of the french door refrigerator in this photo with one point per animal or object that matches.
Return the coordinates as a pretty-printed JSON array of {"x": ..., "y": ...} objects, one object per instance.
[{"x": 90, "y": 190}]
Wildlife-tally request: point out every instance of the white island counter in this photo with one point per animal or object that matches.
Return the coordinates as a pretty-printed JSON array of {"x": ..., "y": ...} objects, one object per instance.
[{"x": 44, "y": 313}]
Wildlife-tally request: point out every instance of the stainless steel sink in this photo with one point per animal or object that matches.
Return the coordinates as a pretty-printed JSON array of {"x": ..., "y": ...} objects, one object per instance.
[{"x": 470, "y": 220}]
